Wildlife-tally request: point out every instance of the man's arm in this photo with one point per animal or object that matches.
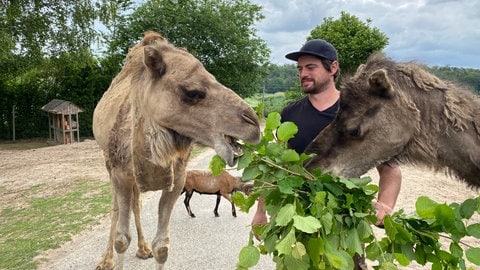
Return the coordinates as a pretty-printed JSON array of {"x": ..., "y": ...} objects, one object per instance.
[{"x": 389, "y": 187}]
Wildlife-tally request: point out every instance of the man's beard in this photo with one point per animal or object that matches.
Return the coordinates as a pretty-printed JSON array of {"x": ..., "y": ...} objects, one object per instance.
[{"x": 316, "y": 87}]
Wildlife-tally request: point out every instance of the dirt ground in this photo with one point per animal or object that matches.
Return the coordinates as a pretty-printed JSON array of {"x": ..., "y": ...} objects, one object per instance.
[{"x": 59, "y": 165}]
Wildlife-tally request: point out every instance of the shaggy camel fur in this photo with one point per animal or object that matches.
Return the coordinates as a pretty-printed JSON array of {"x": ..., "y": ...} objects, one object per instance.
[
  {"x": 203, "y": 182},
  {"x": 161, "y": 102},
  {"x": 400, "y": 111}
]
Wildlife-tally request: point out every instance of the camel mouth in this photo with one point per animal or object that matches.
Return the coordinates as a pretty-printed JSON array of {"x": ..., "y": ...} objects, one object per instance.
[
  {"x": 228, "y": 148},
  {"x": 235, "y": 147}
]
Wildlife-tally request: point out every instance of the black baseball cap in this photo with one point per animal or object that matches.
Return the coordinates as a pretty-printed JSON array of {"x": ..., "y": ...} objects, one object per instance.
[{"x": 316, "y": 47}]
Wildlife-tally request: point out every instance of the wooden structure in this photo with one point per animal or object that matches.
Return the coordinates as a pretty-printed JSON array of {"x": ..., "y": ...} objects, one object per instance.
[{"x": 63, "y": 121}]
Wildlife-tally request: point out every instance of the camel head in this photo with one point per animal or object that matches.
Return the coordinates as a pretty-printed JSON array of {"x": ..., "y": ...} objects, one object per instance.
[
  {"x": 373, "y": 125},
  {"x": 175, "y": 91}
]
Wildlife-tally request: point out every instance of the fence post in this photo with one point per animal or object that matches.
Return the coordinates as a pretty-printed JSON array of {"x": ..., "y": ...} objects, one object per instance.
[{"x": 13, "y": 122}]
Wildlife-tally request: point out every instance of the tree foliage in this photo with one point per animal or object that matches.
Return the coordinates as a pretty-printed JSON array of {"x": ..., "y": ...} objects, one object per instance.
[
  {"x": 354, "y": 40},
  {"x": 219, "y": 33},
  {"x": 53, "y": 49}
]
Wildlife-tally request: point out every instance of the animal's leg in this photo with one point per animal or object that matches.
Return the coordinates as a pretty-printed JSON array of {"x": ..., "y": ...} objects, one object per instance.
[
  {"x": 229, "y": 198},
  {"x": 215, "y": 211},
  {"x": 186, "y": 201},
  {"x": 161, "y": 242},
  {"x": 144, "y": 250},
  {"x": 124, "y": 193},
  {"x": 107, "y": 262}
]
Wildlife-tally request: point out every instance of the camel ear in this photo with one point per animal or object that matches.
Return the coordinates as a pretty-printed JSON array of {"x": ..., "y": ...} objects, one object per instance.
[
  {"x": 153, "y": 59},
  {"x": 380, "y": 84}
]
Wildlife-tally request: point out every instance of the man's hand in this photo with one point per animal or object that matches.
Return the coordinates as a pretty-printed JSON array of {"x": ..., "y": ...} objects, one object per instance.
[{"x": 382, "y": 211}]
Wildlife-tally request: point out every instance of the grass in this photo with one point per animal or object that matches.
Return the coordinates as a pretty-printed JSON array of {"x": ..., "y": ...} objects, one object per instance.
[
  {"x": 47, "y": 222},
  {"x": 24, "y": 144}
]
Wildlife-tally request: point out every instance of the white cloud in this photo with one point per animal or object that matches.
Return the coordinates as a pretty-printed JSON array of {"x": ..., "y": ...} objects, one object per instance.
[{"x": 439, "y": 32}]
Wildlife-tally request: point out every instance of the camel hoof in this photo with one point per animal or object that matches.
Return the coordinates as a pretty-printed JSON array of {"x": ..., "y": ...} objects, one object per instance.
[
  {"x": 144, "y": 252},
  {"x": 105, "y": 264}
]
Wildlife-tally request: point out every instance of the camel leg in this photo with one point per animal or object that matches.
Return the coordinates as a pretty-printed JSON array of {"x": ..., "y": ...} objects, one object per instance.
[
  {"x": 229, "y": 198},
  {"x": 161, "y": 242},
  {"x": 124, "y": 194},
  {"x": 186, "y": 201},
  {"x": 107, "y": 262},
  {"x": 144, "y": 250},
  {"x": 215, "y": 211}
]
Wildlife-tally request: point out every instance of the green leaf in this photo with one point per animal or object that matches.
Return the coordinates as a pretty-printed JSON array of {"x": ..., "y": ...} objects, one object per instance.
[
  {"x": 307, "y": 224},
  {"x": 285, "y": 215},
  {"x": 360, "y": 181},
  {"x": 388, "y": 266},
  {"x": 286, "y": 244},
  {"x": 274, "y": 149},
  {"x": 286, "y": 131},
  {"x": 364, "y": 230},
  {"x": 349, "y": 184},
  {"x": 290, "y": 155},
  {"x": 474, "y": 230},
  {"x": 473, "y": 255},
  {"x": 327, "y": 222},
  {"x": 468, "y": 208},
  {"x": 273, "y": 121},
  {"x": 353, "y": 241},
  {"x": 425, "y": 207},
  {"x": 299, "y": 250},
  {"x": 217, "y": 165},
  {"x": 251, "y": 172},
  {"x": 456, "y": 250},
  {"x": 289, "y": 183},
  {"x": 248, "y": 257},
  {"x": 316, "y": 249},
  {"x": 445, "y": 215},
  {"x": 245, "y": 160},
  {"x": 340, "y": 260},
  {"x": 291, "y": 262},
  {"x": 402, "y": 259}
]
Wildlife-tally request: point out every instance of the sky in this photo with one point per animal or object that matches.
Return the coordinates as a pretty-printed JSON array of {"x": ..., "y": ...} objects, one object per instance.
[{"x": 431, "y": 32}]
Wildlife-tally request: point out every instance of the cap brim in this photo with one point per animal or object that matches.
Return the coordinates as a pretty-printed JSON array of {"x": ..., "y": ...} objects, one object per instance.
[{"x": 295, "y": 55}]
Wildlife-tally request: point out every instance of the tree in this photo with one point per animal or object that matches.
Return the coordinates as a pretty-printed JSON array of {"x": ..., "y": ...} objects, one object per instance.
[
  {"x": 354, "y": 40},
  {"x": 219, "y": 33},
  {"x": 45, "y": 53}
]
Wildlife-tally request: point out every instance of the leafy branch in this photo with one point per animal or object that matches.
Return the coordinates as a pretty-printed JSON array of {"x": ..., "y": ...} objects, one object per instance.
[{"x": 322, "y": 224}]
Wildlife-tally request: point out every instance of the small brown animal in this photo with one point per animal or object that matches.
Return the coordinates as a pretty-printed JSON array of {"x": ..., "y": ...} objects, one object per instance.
[{"x": 203, "y": 182}]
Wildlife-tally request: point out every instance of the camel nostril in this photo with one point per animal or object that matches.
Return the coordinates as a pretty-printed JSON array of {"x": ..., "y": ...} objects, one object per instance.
[{"x": 250, "y": 118}]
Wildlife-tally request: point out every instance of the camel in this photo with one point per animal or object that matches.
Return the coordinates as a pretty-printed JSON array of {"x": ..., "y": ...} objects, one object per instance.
[
  {"x": 160, "y": 104},
  {"x": 400, "y": 111}
]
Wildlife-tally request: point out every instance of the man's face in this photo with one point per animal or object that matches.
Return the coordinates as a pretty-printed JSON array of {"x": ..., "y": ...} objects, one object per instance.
[{"x": 314, "y": 78}]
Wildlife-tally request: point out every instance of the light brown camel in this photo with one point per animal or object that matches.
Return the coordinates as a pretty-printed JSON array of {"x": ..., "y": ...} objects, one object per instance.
[
  {"x": 203, "y": 182},
  {"x": 161, "y": 102},
  {"x": 400, "y": 111}
]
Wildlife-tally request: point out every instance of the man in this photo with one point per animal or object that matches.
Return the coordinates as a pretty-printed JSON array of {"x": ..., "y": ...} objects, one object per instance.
[{"x": 318, "y": 68}]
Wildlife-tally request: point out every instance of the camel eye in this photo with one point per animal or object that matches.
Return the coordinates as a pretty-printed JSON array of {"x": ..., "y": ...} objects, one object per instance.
[
  {"x": 354, "y": 132},
  {"x": 193, "y": 96}
]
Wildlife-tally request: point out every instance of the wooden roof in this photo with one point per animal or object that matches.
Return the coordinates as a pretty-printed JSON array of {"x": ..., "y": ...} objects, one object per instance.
[{"x": 58, "y": 106}]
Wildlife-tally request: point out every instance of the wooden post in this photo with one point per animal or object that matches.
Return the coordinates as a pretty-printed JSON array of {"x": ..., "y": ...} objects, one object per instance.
[{"x": 13, "y": 123}]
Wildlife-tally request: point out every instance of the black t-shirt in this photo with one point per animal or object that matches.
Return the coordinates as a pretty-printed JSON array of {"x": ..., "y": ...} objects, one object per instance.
[{"x": 309, "y": 121}]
